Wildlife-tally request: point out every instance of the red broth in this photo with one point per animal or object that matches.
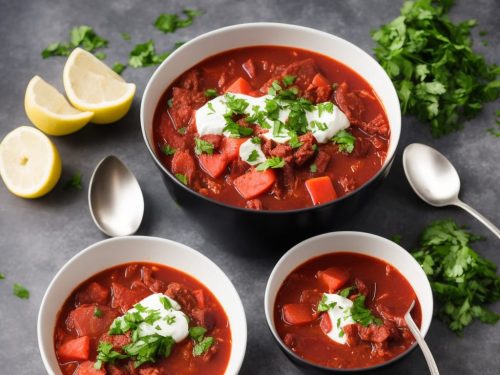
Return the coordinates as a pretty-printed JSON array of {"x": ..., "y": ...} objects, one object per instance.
[
  {"x": 113, "y": 292},
  {"x": 388, "y": 296},
  {"x": 285, "y": 188}
]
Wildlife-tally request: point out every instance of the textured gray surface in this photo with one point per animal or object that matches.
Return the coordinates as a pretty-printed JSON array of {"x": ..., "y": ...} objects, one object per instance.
[{"x": 38, "y": 237}]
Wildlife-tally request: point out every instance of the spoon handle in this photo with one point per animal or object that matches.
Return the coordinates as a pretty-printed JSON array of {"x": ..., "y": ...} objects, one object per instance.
[
  {"x": 423, "y": 345},
  {"x": 478, "y": 216}
]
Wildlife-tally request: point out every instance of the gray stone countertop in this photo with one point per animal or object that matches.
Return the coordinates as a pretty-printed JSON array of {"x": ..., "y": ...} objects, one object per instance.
[{"x": 38, "y": 236}]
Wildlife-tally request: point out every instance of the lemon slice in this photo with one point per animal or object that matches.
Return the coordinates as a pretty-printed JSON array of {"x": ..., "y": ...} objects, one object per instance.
[
  {"x": 49, "y": 110},
  {"x": 30, "y": 164},
  {"x": 92, "y": 86}
]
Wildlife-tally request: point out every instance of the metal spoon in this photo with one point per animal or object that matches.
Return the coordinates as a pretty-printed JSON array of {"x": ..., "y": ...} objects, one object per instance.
[
  {"x": 421, "y": 342},
  {"x": 115, "y": 198},
  {"x": 436, "y": 181}
]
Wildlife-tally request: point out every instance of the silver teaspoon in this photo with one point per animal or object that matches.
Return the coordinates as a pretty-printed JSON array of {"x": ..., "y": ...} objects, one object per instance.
[
  {"x": 421, "y": 342},
  {"x": 115, "y": 198},
  {"x": 436, "y": 181}
]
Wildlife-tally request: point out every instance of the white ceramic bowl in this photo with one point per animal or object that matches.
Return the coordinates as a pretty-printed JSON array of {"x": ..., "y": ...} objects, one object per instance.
[
  {"x": 356, "y": 242},
  {"x": 272, "y": 34},
  {"x": 116, "y": 251}
]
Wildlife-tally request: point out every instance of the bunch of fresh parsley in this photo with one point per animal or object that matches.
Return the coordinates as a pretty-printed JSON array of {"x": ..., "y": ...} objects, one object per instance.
[
  {"x": 438, "y": 77},
  {"x": 462, "y": 280}
]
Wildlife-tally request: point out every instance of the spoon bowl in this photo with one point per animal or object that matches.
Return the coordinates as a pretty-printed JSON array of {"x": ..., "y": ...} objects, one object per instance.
[
  {"x": 435, "y": 180},
  {"x": 115, "y": 198}
]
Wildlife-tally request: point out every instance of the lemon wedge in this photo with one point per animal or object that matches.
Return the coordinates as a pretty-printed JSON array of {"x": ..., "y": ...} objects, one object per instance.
[
  {"x": 49, "y": 110},
  {"x": 30, "y": 164},
  {"x": 92, "y": 86}
]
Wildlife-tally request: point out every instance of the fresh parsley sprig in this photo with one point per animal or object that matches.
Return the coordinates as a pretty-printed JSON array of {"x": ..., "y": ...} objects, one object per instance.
[
  {"x": 345, "y": 140},
  {"x": 274, "y": 162},
  {"x": 462, "y": 280}
]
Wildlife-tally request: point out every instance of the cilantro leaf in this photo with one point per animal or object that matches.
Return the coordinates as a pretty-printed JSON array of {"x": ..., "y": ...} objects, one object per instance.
[
  {"x": 126, "y": 36},
  {"x": 144, "y": 54},
  {"x": 203, "y": 346},
  {"x": 274, "y": 162},
  {"x": 182, "y": 178},
  {"x": 80, "y": 36},
  {"x": 210, "y": 93},
  {"x": 461, "y": 279},
  {"x": 169, "y": 22},
  {"x": 2, "y": 276},
  {"x": 197, "y": 333},
  {"x": 75, "y": 182},
  {"x": 118, "y": 67},
  {"x": 345, "y": 141},
  {"x": 203, "y": 147},
  {"x": 254, "y": 155},
  {"x": 20, "y": 291},
  {"x": 97, "y": 312},
  {"x": 361, "y": 314}
]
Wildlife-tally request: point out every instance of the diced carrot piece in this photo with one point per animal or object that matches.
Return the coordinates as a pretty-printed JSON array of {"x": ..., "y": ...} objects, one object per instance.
[
  {"x": 326, "y": 323},
  {"x": 214, "y": 164},
  {"x": 319, "y": 80},
  {"x": 254, "y": 183},
  {"x": 200, "y": 297},
  {"x": 75, "y": 350},
  {"x": 321, "y": 190},
  {"x": 231, "y": 147},
  {"x": 298, "y": 313},
  {"x": 87, "y": 368},
  {"x": 333, "y": 278},
  {"x": 240, "y": 86}
]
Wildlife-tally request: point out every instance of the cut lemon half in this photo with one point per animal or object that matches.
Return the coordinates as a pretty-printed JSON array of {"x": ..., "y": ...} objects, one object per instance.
[
  {"x": 92, "y": 86},
  {"x": 49, "y": 110},
  {"x": 30, "y": 164}
]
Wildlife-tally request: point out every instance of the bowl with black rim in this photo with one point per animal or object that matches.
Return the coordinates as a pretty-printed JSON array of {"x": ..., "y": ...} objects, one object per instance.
[
  {"x": 351, "y": 242},
  {"x": 306, "y": 220}
]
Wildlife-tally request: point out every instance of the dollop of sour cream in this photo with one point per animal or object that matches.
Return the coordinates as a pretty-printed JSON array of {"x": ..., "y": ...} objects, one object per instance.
[
  {"x": 324, "y": 120},
  {"x": 252, "y": 152},
  {"x": 170, "y": 321},
  {"x": 339, "y": 313}
]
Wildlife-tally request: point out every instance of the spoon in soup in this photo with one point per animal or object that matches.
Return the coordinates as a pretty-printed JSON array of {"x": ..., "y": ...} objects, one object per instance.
[
  {"x": 436, "y": 181},
  {"x": 421, "y": 342},
  {"x": 115, "y": 198}
]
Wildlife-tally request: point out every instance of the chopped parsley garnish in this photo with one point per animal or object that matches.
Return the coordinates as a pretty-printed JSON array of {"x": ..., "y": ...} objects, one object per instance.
[
  {"x": 256, "y": 140},
  {"x": 105, "y": 353},
  {"x": 80, "y": 36},
  {"x": 2, "y": 276},
  {"x": 203, "y": 147},
  {"x": 325, "y": 107},
  {"x": 170, "y": 102},
  {"x": 237, "y": 106},
  {"x": 324, "y": 306},
  {"x": 182, "y": 178},
  {"x": 20, "y": 291},
  {"x": 211, "y": 108},
  {"x": 169, "y": 23},
  {"x": 236, "y": 130},
  {"x": 97, "y": 312},
  {"x": 361, "y": 314},
  {"x": 346, "y": 291},
  {"x": 274, "y": 162},
  {"x": 294, "y": 140},
  {"x": 167, "y": 150},
  {"x": 289, "y": 80},
  {"x": 345, "y": 141},
  {"x": 197, "y": 333},
  {"x": 203, "y": 346},
  {"x": 144, "y": 54},
  {"x": 495, "y": 131},
  {"x": 320, "y": 125},
  {"x": 341, "y": 333},
  {"x": 313, "y": 168},
  {"x": 437, "y": 75},
  {"x": 254, "y": 155},
  {"x": 462, "y": 280},
  {"x": 182, "y": 130},
  {"x": 211, "y": 93},
  {"x": 166, "y": 303},
  {"x": 275, "y": 88},
  {"x": 126, "y": 36},
  {"x": 75, "y": 182},
  {"x": 170, "y": 319},
  {"x": 118, "y": 67}
]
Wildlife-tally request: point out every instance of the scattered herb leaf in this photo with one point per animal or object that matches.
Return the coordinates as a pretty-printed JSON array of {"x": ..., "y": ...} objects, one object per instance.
[
  {"x": 274, "y": 162},
  {"x": 75, "y": 182},
  {"x": 361, "y": 314},
  {"x": 169, "y": 22},
  {"x": 118, "y": 67},
  {"x": 20, "y": 291},
  {"x": 203, "y": 147},
  {"x": 97, "y": 312},
  {"x": 345, "y": 141},
  {"x": 182, "y": 178}
]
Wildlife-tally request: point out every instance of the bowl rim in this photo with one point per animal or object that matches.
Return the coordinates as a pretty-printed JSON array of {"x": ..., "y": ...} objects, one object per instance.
[
  {"x": 269, "y": 310},
  {"x": 288, "y": 27},
  {"x": 243, "y": 338}
]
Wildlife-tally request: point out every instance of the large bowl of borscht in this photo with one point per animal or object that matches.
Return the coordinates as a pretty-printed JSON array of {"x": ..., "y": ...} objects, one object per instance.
[
  {"x": 141, "y": 305},
  {"x": 336, "y": 302},
  {"x": 267, "y": 125}
]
